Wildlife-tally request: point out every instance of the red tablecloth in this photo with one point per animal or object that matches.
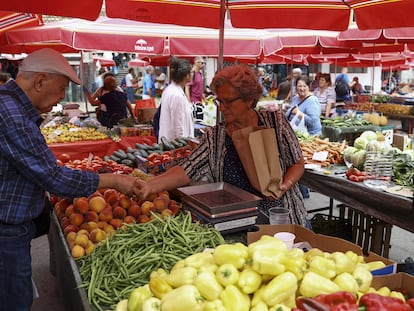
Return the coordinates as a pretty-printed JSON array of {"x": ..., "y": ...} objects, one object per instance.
[{"x": 81, "y": 150}]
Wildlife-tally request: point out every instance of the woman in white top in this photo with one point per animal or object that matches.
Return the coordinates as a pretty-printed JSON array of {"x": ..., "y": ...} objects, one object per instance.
[
  {"x": 176, "y": 118},
  {"x": 326, "y": 95}
]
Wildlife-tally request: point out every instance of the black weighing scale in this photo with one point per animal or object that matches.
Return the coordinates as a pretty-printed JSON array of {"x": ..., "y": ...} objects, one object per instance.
[{"x": 224, "y": 206}]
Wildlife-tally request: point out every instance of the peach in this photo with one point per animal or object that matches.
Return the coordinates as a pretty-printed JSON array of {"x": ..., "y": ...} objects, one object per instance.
[
  {"x": 152, "y": 196},
  {"x": 97, "y": 204},
  {"x": 76, "y": 219},
  {"x": 70, "y": 228},
  {"x": 106, "y": 214},
  {"x": 143, "y": 219},
  {"x": 166, "y": 213},
  {"x": 160, "y": 203},
  {"x": 84, "y": 226},
  {"x": 89, "y": 247},
  {"x": 92, "y": 216},
  {"x": 101, "y": 224},
  {"x": 111, "y": 196},
  {"x": 81, "y": 205},
  {"x": 147, "y": 207},
  {"x": 92, "y": 225},
  {"x": 64, "y": 221},
  {"x": 109, "y": 228},
  {"x": 130, "y": 219},
  {"x": 119, "y": 212},
  {"x": 69, "y": 210},
  {"x": 175, "y": 208},
  {"x": 102, "y": 190},
  {"x": 83, "y": 231},
  {"x": 116, "y": 223},
  {"x": 71, "y": 236},
  {"x": 97, "y": 235},
  {"x": 81, "y": 239},
  {"x": 77, "y": 251},
  {"x": 124, "y": 201},
  {"x": 97, "y": 193},
  {"x": 134, "y": 210}
]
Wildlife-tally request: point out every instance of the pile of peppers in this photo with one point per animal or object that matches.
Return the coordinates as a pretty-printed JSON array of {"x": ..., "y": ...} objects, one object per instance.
[{"x": 346, "y": 301}]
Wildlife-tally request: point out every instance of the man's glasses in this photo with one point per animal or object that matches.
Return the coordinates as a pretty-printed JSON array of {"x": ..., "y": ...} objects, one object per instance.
[{"x": 227, "y": 103}]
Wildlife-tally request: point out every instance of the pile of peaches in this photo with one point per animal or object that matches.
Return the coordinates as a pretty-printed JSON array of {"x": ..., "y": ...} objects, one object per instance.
[{"x": 86, "y": 221}]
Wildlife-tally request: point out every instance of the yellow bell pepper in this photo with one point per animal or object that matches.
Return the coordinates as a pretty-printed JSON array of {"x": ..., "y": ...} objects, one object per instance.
[
  {"x": 138, "y": 296},
  {"x": 260, "y": 306},
  {"x": 267, "y": 255},
  {"x": 215, "y": 305},
  {"x": 227, "y": 274},
  {"x": 374, "y": 265},
  {"x": 290, "y": 302},
  {"x": 233, "y": 299},
  {"x": 280, "y": 307},
  {"x": 323, "y": 266},
  {"x": 313, "y": 284},
  {"x": 346, "y": 282},
  {"x": 181, "y": 276},
  {"x": 364, "y": 278},
  {"x": 313, "y": 252},
  {"x": 384, "y": 291},
  {"x": 207, "y": 285},
  {"x": 353, "y": 256},
  {"x": 295, "y": 262},
  {"x": 398, "y": 295},
  {"x": 235, "y": 254},
  {"x": 122, "y": 305},
  {"x": 257, "y": 295},
  {"x": 249, "y": 281},
  {"x": 199, "y": 260},
  {"x": 159, "y": 286},
  {"x": 160, "y": 272},
  {"x": 179, "y": 264},
  {"x": 151, "y": 304},
  {"x": 280, "y": 288},
  {"x": 212, "y": 268},
  {"x": 343, "y": 263},
  {"x": 186, "y": 297}
]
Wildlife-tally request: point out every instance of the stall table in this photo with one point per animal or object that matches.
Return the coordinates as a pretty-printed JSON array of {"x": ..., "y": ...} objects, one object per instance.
[
  {"x": 82, "y": 149},
  {"x": 386, "y": 207}
]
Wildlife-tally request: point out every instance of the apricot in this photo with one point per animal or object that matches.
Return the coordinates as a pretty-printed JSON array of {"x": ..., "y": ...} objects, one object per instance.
[
  {"x": 143, "y": 219},
  {"x": 92, "y": 225},
  {"x": 83, "y": 231},
  {"x": 116, "y": 223},
  {"x": 97, "y": 204},
  {"x": 89, "y": 247},
  {"x": 81, "y": 205},
  {"x": 108, "y": 228},
  {"x": 70, "y": 228},
  {"x": 71, "y": 236},
  {"x": 69, "y": 210},
  {"x": 64, "y": 221},
  {"x": 101, "y": 224},
  {"x": 166, "y": 213},
  {"x": 119, "y": 212},
  {"x": 106, "y": 214},
  {"x": 111, "y": 196},
  {"x": 78, "y": 251},
  {"x": 76, "y": 219}
]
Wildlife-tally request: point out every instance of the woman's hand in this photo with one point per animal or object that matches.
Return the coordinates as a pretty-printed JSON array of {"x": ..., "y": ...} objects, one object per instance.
[
  {"x": 298, "y": 112},
  {"x": 286, "y": 185}
]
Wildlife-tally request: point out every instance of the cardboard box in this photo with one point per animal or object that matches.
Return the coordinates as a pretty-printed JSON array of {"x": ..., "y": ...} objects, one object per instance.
[
  {"x": 323, "y": 242},
  {"x": 402, "y": 141},
  {"x": 145, "y": 115},
  {"x": 394, "y": 281}
]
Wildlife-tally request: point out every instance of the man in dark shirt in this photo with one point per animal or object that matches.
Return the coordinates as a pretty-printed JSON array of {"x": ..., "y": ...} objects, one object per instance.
[{"x": 28, "y": 168}]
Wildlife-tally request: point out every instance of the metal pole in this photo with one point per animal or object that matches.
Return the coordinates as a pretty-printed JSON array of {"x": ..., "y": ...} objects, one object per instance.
[{"x": 221, "y": 34}]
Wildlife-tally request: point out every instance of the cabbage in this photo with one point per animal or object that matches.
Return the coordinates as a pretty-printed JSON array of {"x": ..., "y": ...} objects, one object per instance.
[
  {"x": 374, "y": 145},
  {"x": 369, "y": 135},
  {"x": 358, "y": 158},
  {"x": 361, "y": 142},
  {"x": 410, "y": 153},
  {"x": 348, "y": 152}
]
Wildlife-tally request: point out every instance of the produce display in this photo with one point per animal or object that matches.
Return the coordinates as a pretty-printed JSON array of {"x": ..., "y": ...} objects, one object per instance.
[
  {"x": 67, "y": 132},
  {"x": 128, "y": 258},
  {"x": 310, "y": 145},
  {"x": 265, "y": 275},
  {"x": 94, "y": 164},
  {"x": 345, "y": 121}
]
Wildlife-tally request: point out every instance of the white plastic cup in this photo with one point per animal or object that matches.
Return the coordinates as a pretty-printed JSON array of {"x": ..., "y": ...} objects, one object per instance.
[
  {"x": 278, "y": 216},
  {"x": 287, "y": 237}
]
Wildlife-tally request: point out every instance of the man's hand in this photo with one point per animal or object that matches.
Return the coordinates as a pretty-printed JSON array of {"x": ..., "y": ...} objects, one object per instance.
[{"x": 85, "y": 89}]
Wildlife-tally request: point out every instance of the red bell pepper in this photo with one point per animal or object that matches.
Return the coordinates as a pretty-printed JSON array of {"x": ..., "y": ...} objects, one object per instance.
[
  {"x": 410, "y": 302},
  {"x": 336, "y": 298},
  {"x": 375, "y": 302}
]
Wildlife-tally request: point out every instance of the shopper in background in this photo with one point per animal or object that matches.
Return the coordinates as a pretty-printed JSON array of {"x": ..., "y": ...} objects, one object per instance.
[
  {"x": 194, "y": 89},
  {"x": 4, "y": 77},
  {"x": 176, "y": 118},
  {"x": 160, "y": 79},
  {"x": 296, "y": 73},
  {"x": 326, "y": 95},
  {"x": 356, "y": 88},
  {"x": 305, "y": 105},
  {"x": 28, "y": 169},
  {"x": 148, "y": 85},
  {"x": 130, "y": 80},
  {"x": 215, "y": 159},
  {"x": 283, "y": 89},
  {"x": 343, "y": 86}
]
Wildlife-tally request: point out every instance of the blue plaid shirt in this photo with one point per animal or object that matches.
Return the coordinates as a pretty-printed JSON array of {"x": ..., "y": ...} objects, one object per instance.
[{"x": 28, "y": 168}]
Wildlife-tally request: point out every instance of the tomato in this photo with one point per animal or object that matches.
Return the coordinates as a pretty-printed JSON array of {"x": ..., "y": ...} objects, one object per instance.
[
  {"x": 353, "y": 178},
  {"x": 64, "y": 157},
  {"x": 361, "y": 177}
]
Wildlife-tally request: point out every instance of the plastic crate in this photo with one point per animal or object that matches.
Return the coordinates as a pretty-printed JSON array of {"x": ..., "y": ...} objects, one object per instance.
[{"x": 346, "y": 133}]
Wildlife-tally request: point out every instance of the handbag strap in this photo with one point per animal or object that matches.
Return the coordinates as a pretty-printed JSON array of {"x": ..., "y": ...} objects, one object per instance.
[{"x": 300, "y": 103}]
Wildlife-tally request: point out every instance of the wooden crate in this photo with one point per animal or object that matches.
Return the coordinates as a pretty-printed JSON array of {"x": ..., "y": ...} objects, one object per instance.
[{"x": 368, "y": 232}]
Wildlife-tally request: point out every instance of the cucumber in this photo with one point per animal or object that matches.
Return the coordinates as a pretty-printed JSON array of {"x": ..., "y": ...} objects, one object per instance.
[
  {"x": 120, "y": 154},
  {"x": 166, "y": 143},
  {"x": 106, "y": 158},
  {"x": 144, "y": 153},
  {"x": 130, "y": 150},
  {"x": 128, "y": 162},
  {"x": 115, "y": 158},
  {"x": 130, "y": 156},
  {"x": 141, "y": 146},
  {"x": 176, "y": 143},
  {"x": 182, "y": 141}
]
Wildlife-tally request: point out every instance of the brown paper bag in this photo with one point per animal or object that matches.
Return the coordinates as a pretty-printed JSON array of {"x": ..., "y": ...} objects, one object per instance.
[{"x": 259, "y": 154}]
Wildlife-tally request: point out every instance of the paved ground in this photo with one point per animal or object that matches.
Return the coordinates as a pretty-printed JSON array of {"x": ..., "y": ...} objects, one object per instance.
[{"x": 402, "y": 247}]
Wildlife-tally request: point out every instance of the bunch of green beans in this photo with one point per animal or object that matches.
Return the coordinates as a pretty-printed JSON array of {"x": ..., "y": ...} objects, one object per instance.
[{"x": 126, "y": 260}]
